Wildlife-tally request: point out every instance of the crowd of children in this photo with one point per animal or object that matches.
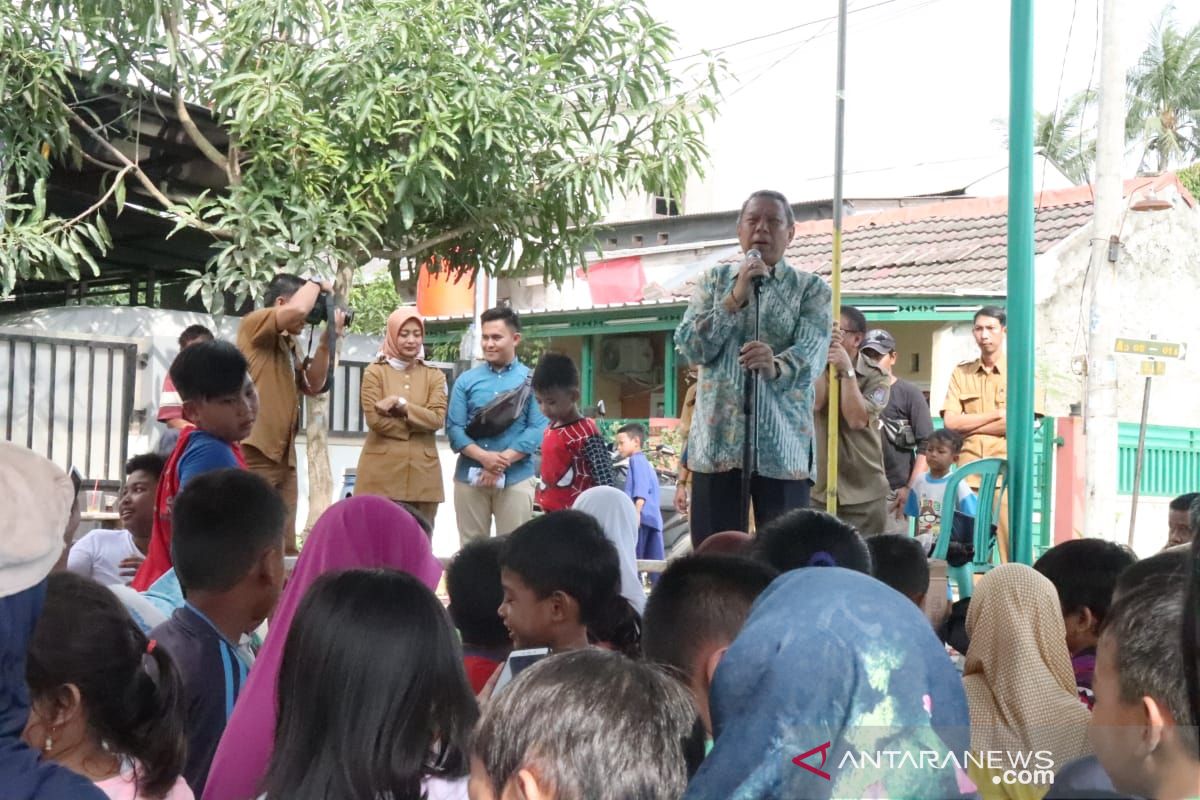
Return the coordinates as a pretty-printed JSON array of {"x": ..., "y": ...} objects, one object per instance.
[{"x": 778, "y": 665}]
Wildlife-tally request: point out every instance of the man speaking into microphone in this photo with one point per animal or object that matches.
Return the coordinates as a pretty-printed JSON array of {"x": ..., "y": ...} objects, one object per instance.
[{"x": 717, "y": 334}]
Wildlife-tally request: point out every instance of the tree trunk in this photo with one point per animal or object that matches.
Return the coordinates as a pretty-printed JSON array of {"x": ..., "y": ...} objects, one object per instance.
[{"x": 320, "y": 475}]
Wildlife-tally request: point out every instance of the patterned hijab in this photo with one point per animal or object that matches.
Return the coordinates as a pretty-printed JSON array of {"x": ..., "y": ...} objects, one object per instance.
[
  {"x": 389, "y": 351},
  {"x": 363, "y": 532},
  {"x": 832, "y": 664},
  {"x": 1018, "y": 676}
]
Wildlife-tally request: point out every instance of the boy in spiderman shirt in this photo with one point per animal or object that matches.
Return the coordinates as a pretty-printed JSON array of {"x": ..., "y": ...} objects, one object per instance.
[{"x": 574, "y": 455}]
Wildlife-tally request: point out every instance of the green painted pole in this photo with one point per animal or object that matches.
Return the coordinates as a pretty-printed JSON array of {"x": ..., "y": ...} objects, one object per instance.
[
  {"x": 587, "y": 371},
  {"x": 670, "y": 382},
  {"x": 1020, "y": 284}
]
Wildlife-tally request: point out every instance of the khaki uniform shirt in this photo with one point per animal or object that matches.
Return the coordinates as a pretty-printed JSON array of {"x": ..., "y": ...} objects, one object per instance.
[
  {"x": 400, "y": 459},
  {"x": 861, "y": 477},
  {"x": 275, "y": 369},
  {"x": 975, "y": 389}
]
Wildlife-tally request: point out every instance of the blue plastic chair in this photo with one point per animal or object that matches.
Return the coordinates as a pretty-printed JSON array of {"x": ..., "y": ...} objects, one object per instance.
[{"x": 993, "y": 474}]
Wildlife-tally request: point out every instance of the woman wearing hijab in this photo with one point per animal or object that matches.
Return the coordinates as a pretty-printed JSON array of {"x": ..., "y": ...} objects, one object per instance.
[
  {"x": 618, "y": 517},
  {"x": 404, "y": 402},
  {"x": 357, "y": 533},
  {"x": 1018, "y": 678},
  {"x": 38, "y": 499},
  {"x": 833, "y": 671}
]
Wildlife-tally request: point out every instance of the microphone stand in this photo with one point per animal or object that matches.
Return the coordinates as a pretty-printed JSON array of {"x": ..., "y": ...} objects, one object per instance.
[{"x": 750, "y": 414}]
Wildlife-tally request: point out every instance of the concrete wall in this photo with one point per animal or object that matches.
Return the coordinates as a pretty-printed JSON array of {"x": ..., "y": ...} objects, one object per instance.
[{"x": 1159, "y": 286}]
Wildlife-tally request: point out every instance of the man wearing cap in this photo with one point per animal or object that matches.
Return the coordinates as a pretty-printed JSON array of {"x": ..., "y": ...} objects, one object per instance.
[
  {"x": 904, "y": 426},
  {"x": 862, "y": 485}
]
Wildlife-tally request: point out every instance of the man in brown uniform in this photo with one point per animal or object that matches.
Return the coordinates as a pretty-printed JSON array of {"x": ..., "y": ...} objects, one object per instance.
[
  {"x": 281, "y": 374},
  {"x": 976, "y": 402},
  {"x": 862, "y": 485}
]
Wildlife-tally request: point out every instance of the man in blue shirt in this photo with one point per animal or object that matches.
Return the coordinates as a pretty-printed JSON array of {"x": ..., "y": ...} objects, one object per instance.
[{"x": 495, "y": 476}]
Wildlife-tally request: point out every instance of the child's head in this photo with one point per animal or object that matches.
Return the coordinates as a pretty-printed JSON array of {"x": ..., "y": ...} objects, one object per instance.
[
  {"x": 808, "y": 538},
  {"x": 941, "y": 450},
  {"x": 1142, "y": 726},
  {"x": 899, "y": 561},
  {"x": 227, "y": 540},
  {"x": 215, "y": 386},
  {"x": 1179, "y": 520},
  {"x": 561, "y": 577},
  {"x": 136, "y": 505},
  {"x": 473, "y": 583},
  {"x": 694, "y": 614},
  {"x": 556, "y": 387},
  {"x": 587, "y": 725},
  {"x": 1084, "y": 571},
  {"x": 631, "y": 439},
  {"x": 98, "y": 685},
  {"x": 372, "y": 693}
]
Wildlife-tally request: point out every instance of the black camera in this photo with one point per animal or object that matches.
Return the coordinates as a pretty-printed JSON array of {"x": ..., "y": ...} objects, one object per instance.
[{"x": 323, "y": 309}]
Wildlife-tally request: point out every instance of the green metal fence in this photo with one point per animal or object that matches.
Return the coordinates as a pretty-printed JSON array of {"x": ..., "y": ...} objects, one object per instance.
[{"x": 1172, "y": 461}]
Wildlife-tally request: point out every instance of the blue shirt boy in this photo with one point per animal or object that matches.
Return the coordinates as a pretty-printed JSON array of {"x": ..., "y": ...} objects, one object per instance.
[{"x": 642, "y": 484}]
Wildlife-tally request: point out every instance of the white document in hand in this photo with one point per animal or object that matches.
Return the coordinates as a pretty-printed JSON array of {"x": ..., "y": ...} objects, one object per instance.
[{"x": 475, "y": 473}]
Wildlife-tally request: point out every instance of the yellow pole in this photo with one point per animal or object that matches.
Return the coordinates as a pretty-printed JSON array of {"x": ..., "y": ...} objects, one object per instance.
[{"x": 833, "y": 406}]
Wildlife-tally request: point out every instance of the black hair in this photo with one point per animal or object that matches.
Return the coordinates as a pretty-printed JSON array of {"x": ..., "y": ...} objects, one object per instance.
[
  {"x": 132, "y": 693},
  {"x": 502, "y": 314},
  {"x": 778, "y": 197},
  {"x": 417, "y": 516},
  {"x": 473, "y": 583},
  {"x": 282, "y": 285},
  {"x": 995, "y": 312},
  {"x": 697, "y": 600},
  {"x": 208, "y": 369},
  {"x": 555, "y": 371},
  {"x": 1190, "y": 629},
  {"x": 899, "y": 561},
  {"x": 1184, "y": 501},
  {"x": 193, "y": 332},
  {"x": 1084, "y": 571},
  {"x": 857, "y": 317},
  {"x": 594, "y": 725},
  {"x": 634, "y": 430},
  {"x": 221, "y": 524},
  {"x": 952, "y": 439},
  {"x": 567, "y": 551},
  {"x": 1163, "y": 566},
  {"x": 808, "y": 538},
  {"x": 151, "y": 463},
  {"x": 1144, "y": 626},
  {"x": 372, "y": 692}
]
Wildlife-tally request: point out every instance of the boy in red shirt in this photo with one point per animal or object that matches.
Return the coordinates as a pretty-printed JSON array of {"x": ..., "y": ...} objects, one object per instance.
[{"x": 574, "y": 455}]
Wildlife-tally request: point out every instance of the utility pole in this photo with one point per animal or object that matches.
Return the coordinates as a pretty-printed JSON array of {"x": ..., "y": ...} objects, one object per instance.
[
  {"x": 1100, "y": 395},
  {"x": 1019, "y": 415}
]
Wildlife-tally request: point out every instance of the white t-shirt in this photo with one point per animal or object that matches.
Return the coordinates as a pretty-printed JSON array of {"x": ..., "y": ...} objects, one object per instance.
[{"x": 98, "y": 555}]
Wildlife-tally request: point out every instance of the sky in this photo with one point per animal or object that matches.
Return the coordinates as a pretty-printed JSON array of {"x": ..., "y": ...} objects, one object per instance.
[{"x": 926, "y": 80}]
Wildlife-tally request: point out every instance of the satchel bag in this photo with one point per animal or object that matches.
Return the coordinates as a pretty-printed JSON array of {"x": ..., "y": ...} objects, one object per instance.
[
  {"x": 499, "y": 415},
  {"x": 899, "y": 432}
]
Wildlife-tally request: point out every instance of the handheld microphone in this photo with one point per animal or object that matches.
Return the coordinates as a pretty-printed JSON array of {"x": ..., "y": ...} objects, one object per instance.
[{"x": 758, "y": 279}]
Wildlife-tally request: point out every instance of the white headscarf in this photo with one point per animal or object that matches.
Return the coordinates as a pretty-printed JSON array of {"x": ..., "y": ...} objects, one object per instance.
[
  {"x": 36, "y": 496},
  {"x": 618, "y": 516}
]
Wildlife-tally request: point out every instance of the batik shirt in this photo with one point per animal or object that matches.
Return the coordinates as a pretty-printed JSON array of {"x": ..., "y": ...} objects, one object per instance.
[{"x": 796, "y": 321}]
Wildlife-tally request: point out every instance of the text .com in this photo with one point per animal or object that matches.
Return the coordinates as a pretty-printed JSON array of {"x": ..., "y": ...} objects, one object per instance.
[{"x": 1016, "y": 768}]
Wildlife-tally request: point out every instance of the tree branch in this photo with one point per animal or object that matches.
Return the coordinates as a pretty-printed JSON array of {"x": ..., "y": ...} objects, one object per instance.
[
  {"x": 422, "y": 246},
  {"x": 144, "y": 179},
  {"x": 75, "y": 220},
  {"x": 185, "y": 118}
]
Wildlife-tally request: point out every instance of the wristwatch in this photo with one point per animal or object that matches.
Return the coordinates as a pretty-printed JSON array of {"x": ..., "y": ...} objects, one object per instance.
[{"x": 850, "y": 373}]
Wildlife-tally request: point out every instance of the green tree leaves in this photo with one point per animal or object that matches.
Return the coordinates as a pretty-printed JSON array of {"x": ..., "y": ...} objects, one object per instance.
[{"x": 488, "y": 135}]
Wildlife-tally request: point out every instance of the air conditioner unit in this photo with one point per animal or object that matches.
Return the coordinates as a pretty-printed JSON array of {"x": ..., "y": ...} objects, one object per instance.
[{"x": 629, "y": 355}]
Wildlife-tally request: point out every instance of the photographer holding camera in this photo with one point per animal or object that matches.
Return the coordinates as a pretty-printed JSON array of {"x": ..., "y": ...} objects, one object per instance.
[{"x": 281, "y": 372}]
